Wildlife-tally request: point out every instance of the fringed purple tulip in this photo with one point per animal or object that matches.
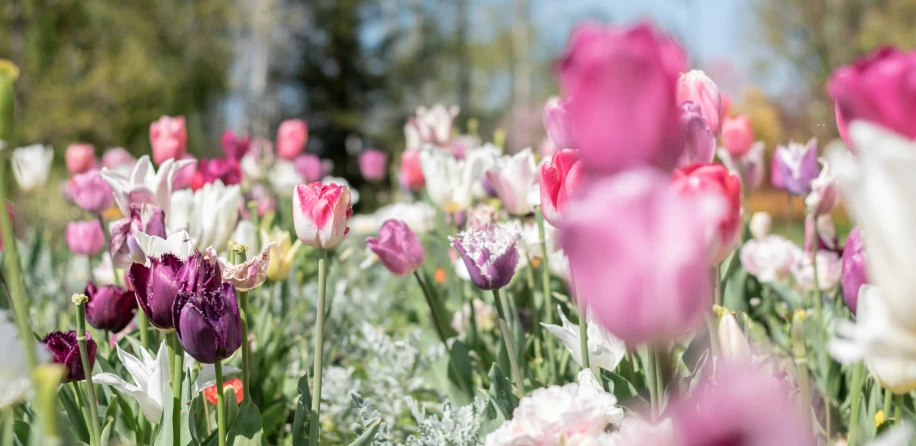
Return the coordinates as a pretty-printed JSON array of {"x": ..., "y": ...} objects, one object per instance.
[
  {"x": 168, "y": 276},
  {"x": 65, "y": 351},
  {"x": 109, "y": 307},
  {"x": 144, "y": 217},
  {"x": 854, "y": 272},
  {"x": 797, "y": 166},
  {"x": 90, "y": 192},
  {"x": 398, "y": 248},
  {"x": 85, "y": 237},
  {"x": 208, "y": 323},
  {"x": 490, "y": 254},
  {"x": 235, "y": 146},
  {"x": 373, "y": 164}
]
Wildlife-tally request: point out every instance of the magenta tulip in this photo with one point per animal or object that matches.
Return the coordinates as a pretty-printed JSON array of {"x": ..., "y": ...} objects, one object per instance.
[
  {"x": 398, "y": 248},
  {"x": 373, "y": 164},
  {"x": 90, "y": 191},
  {"x": 235, "y": 146},
  {"x": 145, "y": 218},
  {"x": 85, "y": 237}
]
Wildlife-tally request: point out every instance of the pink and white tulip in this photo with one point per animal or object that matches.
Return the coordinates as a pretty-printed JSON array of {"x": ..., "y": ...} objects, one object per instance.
[
  {"x": 559, "y": 179},
  {"x": 770, "y": 258},
  {"x": 320, "y": 214},
  {"x": 715, "y": 179},
  {"x": 513, "y": 178},
  {"x": 558, "y": 124},
  {"x": 695, "y": 86}
]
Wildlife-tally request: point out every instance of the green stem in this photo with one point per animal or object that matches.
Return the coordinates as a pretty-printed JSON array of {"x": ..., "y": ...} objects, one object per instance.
[
  {"x": 799, "y": 350},
  {"x": 815, "y": 244},
  {"x": 898, "y": 409},
  {"x": 583, "y": 334},
  {"x": 548, "y": 296},
  {"x": 177, "y": 370},
  {"x": 888, "y": 397},
  {"x": 87, "y": 370},
  {"x": 81, "y": 400},
  {"x": 9, "y": 436},
  {"x": 143, "y": 328},
  {"x": 438, "y": 324},
  {"x": 319, "y": 348},
  {"x": 659, "y": 379},
  {"x": 510, "y": 346},
  {"x": 716, "y": 274},
  {"x": 651, "y": 383},
  {"x": 220, "y": 404},
  {"x": 858, "y": 378}
]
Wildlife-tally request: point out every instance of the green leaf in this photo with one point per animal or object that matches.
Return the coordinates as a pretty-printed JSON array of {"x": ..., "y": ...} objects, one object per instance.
[
  {"x": 165, "y": 438},
  {"x": 624, "y": 390},
  {"x": 369, "y": 435},
  {"x": 273, "y": 417},
  {"x": 74, "y": 413},
  {"x": 106, "y": 433},
  {"x": 303, "y": 411},
  {"x": 246, "y": 430},
  {"x": 232, "y": 405},
  {"x": 459, "y": 356},
  {"x": 500, "y": 392}
]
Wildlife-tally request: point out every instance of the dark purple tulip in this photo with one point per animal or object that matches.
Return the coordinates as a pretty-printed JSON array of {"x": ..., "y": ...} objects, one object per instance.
[
  {"x": 854, "y": 271},
  {"x": 65, "y": 351},
  {"x": 208, "y": 323},
  {"x": 235, "y": 146},
  {"x": 158, "y": 285},
  {"x": 144, "y": 217},
  {"x": 489, "y": 254},
  {"x": 797, "y": 166},
  {"x": 397, "y": 247},
  {"x": 109, "y": 307}
]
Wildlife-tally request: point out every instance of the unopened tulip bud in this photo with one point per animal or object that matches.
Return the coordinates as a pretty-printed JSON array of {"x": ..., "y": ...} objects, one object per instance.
[
  {"x": 292, "y": 135},
  {"x": 732, "y": 341},
  {"x": 398, "y": 248},
  {"x": 320, "y": 213},
  {"x": 109, "y": 307},
  {"x": 737, "y": 135},
  {"x": 760, "y": 224}
]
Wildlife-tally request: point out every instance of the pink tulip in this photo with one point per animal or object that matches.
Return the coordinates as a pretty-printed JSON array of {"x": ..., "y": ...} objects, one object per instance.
[
  {"x": 699, "y": 139},
  {"x": 309, "y": 166},
  {"x": 715, "y": 179},
  {"x": 118, "y": 158},
  {"x": 398, "y": 248},
  {"x": 741, "y": 405},
  {"x": 80, "y": 157},
  {"x": 90, "y": 192},
  {"x": 411, "y": 173},
  {"x": 558, "y": 124},
  {"x": 291, "y": 138},
  {"x": 749, "y": 167},
  {"x": 227, "y": 170},
  {"x": 694, "y": 86},
  {"x": 825, "y": 193},
  {"x": 639, "y": 256},
  {"x": 373, "y": 164},
  {"x": 185, "y": 175},
  {"x": 235, "y": 146},
  {"x": 737, "y": 135},
  {"x": 559, "y": 179},
  {"x": 169, "y": 138},
  {"x": 85, "y": 237},
  {"x": 320, "y": 213},
  {"x": 621, "y": 85},
  {"x": 877, "y": 88}
]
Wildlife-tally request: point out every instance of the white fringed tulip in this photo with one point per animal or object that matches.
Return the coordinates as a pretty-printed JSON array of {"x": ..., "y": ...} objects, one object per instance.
[
  {"x": 31, "y": 165},
  {"x": 769, "y": 259},
  {"x": 513, "y": 178},
  {"x": 209, "y": 214},
  {"x": 320, "y": 213}
]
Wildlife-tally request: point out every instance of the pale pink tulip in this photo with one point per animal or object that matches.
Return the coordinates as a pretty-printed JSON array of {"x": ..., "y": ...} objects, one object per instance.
[
  {"x": 291, "y": 138},
  {"x": 695, "y": 86},
  {"x": 80, "y": 157},
  {"x": 169, "y": 138}
]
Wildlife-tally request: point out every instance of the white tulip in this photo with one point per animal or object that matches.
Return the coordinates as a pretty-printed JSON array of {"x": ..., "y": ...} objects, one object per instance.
[
  {"x": 760, "y": 224},
  {"x": 31, "y": 165},
  {"x": 209, "y": 214},
  {"x": 15, "y": 382},
  {"x": 733, "y": 344},
  {"x": 604, "y": 350},
  {"x": 246, "y": 234},
  {"x": 513, "y": 178},
  {"x": 878, "y": 188},
  {"x": 452, "y": 184},
  {"x": 829, "y": 270},
  {"x": 178, "y": 244},
  {"x": 284, "y": 177},
  {"x": 145, "y": 184},
  {"x": 769, "y": 259}
]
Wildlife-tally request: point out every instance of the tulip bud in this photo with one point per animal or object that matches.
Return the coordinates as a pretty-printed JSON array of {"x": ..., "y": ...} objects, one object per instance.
[
  {"x": 282, "y": 253},
  {"x": 559, "y": 179},
  {"x": 855, "y": 273},
  {"x": 9, "y": 72},
  {"x": 558, "y": 124},
  {"x": 411, "y": 173},
  {"x": 760, "y": 225},
  {"x": 737, "y": 135},
  {"x": 80, "y": 158},
  {"x": 85, "y": 237},
  {"x": 373, "y": 164},
  {"x": 109, "y": 307},
  {"x": 696, "y": 87},
  {"x": 208, "y": 323},
  {"x": 320, "y": 213},
  {"x": 169, "y": 138},
  {"x": 31, "y": 165},
  {"x": 292, "y": 136},
  {"x": 398, "y": 248},
  {"x": 825, "y": 193},
  {"x": 490, "y": 254},
  {"x": 732, "y": 341},
  {"x": 65, "y": 351},
  {"x": 90, "y": 191},
  {"x": 699, "y": 139}
]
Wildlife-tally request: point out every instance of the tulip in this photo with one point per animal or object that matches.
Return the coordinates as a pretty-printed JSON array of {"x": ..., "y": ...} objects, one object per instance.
[
  {"x": 715, "y": 179},
  {"x": 825, "y": 193},
  {"x": 234, "y": 146},
  {"x": 234, "y": 383},
  {"x": 208, "y": 214},
  {"x": 453, "y": 183},
  {"x": 373, "y": 164},
  {"x": 227, "y": 170},
  {"x": 31, "y": 165},
  {"x": 432, "y": 126},
  {"x": 490, "y": 254},
  {"x": 854, "y": 274},
  {"x": 169, "y": 139},
  {"x": 184, "y": 176},
  {"x": 737, "y": 135},
  {"x": 118, "y": 158},
  {"x": 15, "y": 378},
  {"x": 90, "y": 192},
  {"x": 85, "y": 237},
  {"x": 641, "y": 290},
  {"x": 398, "y": 248},
  {"x": 282, "y": 253},
  {"x": 208, "y": 323},
  {"x": 65, "y": 351},
  {"x": 291, "y": 138},
  {"x": 769, "y": 258},
  {"x": 168, "y": 276},
  {"x": 877, "y": 88},
  {"x": 145, "y": 184},
  {"x": 284, "y": 176},
  {"x": 308, "y": 165},
  {"x": 411, "y": 172},
  {"x": 320, "y": 214},
  {"x": 145, "y": 218},
  {"x": 79, "y": 157},
  {"x": 178, "y": 245},
  {"x": 741, "y": 406},
  {"x": 560, "y": 178},
  {"x": 109, "y": 307},
  {"x": 797, "y": 166},
  {"x": 616, "y": 128},
  {"x": 749, "y": 167},
  {"x": 558, "y": 124},
  {"x": 732, "y": 341},
  {"x": 892, "y": 371},
  {"x": 604, "y": 350},
  {"x": 828, "y": 271},
  {"x": 699, "y": 139},
  {"x": 247, "y": 275},
  {"x": 513, "y": 178},
  {"x": 760, "y": 225},
  {"x": 481, "y": 216},
  {"x": 827, "y": 239},
  {"x": 694, "y": 86}
]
